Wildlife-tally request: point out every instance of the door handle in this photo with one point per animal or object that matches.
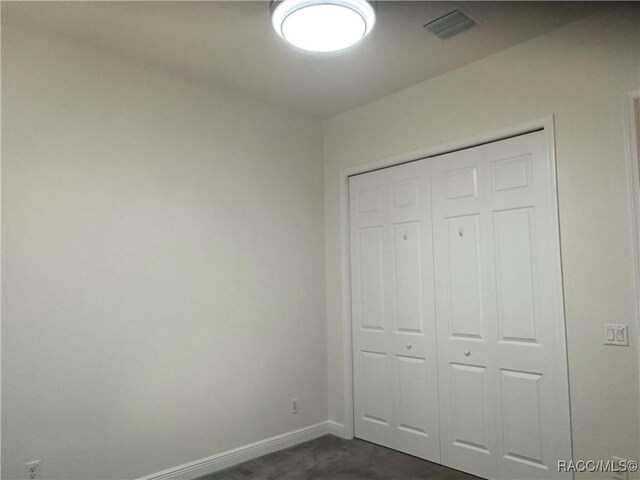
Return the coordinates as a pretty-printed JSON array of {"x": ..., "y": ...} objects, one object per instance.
[
  {"x": 467, "y": 353},
  {"x": 409, "y": 346}
]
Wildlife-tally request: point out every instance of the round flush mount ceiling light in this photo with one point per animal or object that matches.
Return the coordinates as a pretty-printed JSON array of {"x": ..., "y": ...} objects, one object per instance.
[{"x": 322, "y": 25}]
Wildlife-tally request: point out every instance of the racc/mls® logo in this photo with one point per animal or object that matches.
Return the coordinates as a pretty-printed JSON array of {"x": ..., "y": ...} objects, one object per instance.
[{"x": 599, "y": 466}]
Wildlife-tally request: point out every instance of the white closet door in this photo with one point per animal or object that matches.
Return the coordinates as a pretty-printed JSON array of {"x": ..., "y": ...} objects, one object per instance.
[
  {"x": 530, "y": 350},
  {"x": 502, "y": 362},
  {"x": 394, "y": 339},
  {"x": 467, "y": 395}
]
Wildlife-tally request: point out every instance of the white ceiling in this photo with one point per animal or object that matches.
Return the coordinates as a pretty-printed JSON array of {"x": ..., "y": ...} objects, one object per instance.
[{"x": 231, "y": 44}]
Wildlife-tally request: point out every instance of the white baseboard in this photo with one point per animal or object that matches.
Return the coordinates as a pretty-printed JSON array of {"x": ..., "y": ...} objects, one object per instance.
[
  {"x": 337, "y": 429},
  {"x": 220, "y": 461}
]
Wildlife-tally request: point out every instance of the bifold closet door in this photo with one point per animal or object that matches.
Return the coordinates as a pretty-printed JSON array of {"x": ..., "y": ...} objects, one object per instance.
[
  {"x": 394, "y": 338},
  {"x": 504, "y": 401}
]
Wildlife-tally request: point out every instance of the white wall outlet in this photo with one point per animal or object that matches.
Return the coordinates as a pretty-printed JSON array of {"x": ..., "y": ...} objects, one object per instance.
[
  {"x": 32, "y": 469},
  {"x": 616, "y": 334},
  {"x": 294, "y": 405}
]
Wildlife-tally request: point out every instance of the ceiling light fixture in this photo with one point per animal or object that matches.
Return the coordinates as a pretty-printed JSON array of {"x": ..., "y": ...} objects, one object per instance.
[{"x": 322, "y": 25}]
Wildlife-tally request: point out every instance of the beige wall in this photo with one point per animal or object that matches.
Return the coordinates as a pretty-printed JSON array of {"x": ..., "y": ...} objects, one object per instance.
[
  {"x": 163, "y": 295},
  {"x": 580, "y": 74}
]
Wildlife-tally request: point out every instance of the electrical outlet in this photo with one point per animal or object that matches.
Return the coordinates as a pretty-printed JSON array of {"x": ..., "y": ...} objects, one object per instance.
[
  {"x": 619, "y": 475},
  {"x": 294, "y": 405},
  {"x": 32, "y": 469}
]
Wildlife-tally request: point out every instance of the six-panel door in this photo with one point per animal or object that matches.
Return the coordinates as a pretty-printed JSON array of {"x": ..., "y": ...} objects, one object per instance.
[
  {"x": 504, "y": 405},
  {"x": 395, "y": 362},
  {"x": 501, "y": 402}
]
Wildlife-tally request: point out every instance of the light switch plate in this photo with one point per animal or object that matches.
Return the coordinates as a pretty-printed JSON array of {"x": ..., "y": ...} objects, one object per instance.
[{"x": 616, "y": 334}]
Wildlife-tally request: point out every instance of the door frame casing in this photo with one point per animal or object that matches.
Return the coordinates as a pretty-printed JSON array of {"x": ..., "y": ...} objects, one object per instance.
[
  {"x": 633, "y": 157},
  {"x": 546, "y": 123},
  {"x": 633, "y": 170}
]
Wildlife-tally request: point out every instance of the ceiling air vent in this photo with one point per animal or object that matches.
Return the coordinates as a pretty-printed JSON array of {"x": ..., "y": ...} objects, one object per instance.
[{"x": 450, "y": 24}]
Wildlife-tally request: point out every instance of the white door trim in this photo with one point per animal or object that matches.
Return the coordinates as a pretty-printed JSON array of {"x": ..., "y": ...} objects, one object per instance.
[
  {"x": 546, "y": 122},
  {"x": 634, "y": 185}
]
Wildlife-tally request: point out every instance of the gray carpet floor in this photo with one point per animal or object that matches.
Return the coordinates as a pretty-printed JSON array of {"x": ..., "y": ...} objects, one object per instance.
[{"x": 332, "y": 458}]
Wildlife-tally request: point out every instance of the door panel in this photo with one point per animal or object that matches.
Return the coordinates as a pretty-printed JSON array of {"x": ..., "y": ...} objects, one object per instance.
[
  {"x": 408, "y": 277},
  {"x": 461, "y": 183},
  {"x": 369, "y": 200},
  {"x": 469, "y": 407},
  {"x": 511, "y": 174},
  {"x": 372, "y": 371},
  {"x": 499, "y": 311},
  {"x": 375, "y": 394},
  {"x": 393, "y": 310},
  {"x": 530, "y": 352},
  {"x": 371, "y": 278},
  {"x": 522, "y": 440},
  {"x": 515, "y": 264},
  {"x": 412, "y": 312},
  {"x": 412, "y": 411},
  {"x": 467, "y": 419},
  {"x": 406, "y": 193},
  {"x": 463, "y": 276}
]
